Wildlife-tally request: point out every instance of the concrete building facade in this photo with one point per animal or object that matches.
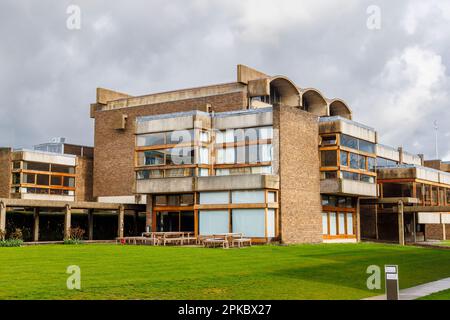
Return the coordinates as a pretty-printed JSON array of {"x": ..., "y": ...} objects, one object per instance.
[{"x": 259, "y": 156}]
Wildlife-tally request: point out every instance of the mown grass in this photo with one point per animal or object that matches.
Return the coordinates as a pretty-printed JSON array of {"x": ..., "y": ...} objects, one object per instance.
[
  {"x": 326, "y": 271},
  {"x": 442, "y": 295}
]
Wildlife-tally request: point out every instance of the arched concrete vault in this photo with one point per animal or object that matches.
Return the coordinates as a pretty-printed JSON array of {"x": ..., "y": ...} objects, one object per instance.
[
  {"x": 340, "y": 108},
  {"x": 313, "y": 101},
  {"x": 289, "y": 93}
]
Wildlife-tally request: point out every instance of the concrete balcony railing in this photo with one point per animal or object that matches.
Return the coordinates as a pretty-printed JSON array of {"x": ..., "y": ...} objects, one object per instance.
[
  {"x": 348, "y": 187},
  {"x": 212, "y": 183}
]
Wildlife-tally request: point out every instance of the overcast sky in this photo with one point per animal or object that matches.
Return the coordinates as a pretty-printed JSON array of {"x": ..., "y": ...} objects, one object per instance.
[{"x": 396, "y": 78}]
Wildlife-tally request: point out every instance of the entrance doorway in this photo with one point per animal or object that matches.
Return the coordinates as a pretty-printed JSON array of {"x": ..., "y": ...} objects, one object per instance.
[{"x": 175, "y": 221}]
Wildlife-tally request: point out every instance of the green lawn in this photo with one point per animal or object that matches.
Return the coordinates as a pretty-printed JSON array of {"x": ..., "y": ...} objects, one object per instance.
[
  {"x": 327, "y": 271},
  {"x": 445, "y": 243},
  {"x": 442, "y": 295}
]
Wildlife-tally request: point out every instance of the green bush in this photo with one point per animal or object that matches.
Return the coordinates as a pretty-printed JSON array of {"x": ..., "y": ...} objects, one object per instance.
[
  {"x": 11, "y": 243},
  {"x": 73, "y": 241}
]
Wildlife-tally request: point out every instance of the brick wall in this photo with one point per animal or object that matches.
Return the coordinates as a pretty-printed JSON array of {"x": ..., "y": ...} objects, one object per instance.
[
  {"x": 84, "y": 179},
  {"x": 300, "y": 205},
  {"x": 114, "y": 149},
  {"x": 5, "y": 172},
  {"x": 435, "y": 231}
]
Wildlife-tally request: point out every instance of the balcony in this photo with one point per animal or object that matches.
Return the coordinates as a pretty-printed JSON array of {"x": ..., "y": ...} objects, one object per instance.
[{"x": 348, "y": 188}]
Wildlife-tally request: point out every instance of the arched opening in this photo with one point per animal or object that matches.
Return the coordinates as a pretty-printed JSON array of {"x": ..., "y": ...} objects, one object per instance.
[
  {"x": 314, "y": 102},
  {"x": 339, "y": 108},
  {"x": 284, "y": 91}
]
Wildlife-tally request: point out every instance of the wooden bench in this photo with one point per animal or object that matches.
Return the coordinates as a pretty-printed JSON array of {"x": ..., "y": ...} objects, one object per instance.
[{"x": 208, "y": 242}]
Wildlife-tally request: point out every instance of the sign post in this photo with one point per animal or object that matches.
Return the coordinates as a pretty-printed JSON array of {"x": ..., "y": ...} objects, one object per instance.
[{"x": 391, "y": 278}]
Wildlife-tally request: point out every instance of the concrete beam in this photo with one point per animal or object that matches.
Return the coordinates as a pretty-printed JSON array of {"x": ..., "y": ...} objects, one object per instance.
[
  {"x": 63, "y": 204},
  {"x": 67, "y": 221},
  {"x": 424, "y": 209}
]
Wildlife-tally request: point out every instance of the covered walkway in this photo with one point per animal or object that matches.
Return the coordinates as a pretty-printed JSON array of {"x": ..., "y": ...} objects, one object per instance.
[{"x": 38, "y": 206}]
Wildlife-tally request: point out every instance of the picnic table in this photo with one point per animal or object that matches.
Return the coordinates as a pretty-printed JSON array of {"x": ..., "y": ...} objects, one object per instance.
[{"x": 225, "y": 240}]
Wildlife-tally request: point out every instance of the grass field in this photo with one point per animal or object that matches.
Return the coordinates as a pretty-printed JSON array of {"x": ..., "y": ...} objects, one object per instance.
[
  {"x": 327, "y": 271},
  {"x": 442, "y": 295}
]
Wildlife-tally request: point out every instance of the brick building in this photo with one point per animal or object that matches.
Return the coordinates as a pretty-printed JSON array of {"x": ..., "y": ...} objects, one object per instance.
[{"x": 258, "y": 156}]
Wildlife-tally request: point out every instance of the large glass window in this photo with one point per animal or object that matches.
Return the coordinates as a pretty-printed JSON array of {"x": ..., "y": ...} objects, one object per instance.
[
  {"x": 362, "y": 162},
  {"x": 36, "y": 166},
  {"x": 248, "y": 196},
  {"x": 333, "y": 224},
  {"x": 69, "y": 182},
  {"x": 152, "y": 139},
  {"x": 350, "y": 175},
  {"x": 43, "y": 180},
  {"x": 204, "y": 156},
  {"x": 179, "y": 156},
  {"x": 151, "y": 158},
  {"x": 371, "y": 164},
  {"x": 349, "y": 142},
  {"x": 250, "y": 222},
  {"x": 341, "y": 223},
  {"x": 366, "y": 146},
  {"x": 350, "y": 223},
  {"x": 344, "y": 158},
  {"x": 325, "y": 223},
  {"x": 62, "y": 169},
  {"x": 214, "y": 198},
  {"x": 214, "y": 222},
  {"x": 383, "y": 162},
  {"x": 354, "y": 161},
  {"x": 366, "y": 178},
  {"x": 329, "y": 158}
]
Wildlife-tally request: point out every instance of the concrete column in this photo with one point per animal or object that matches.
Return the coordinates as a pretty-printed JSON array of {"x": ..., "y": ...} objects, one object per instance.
[
  {"x": 67, "y": 221},
  {"x": 121, "y": 212},
  {"x": 3, "y": 219},
  {"x": 444, "y": 233},
  {"x": 358, "y": 221},
  {"x": 135, "y": 222},
  {"x": 36, "y": 225},
  {"x": 401, "y": 225},
  {"x": 149, "y": 213},
  {"x": 91, "y": 224},
  {"x": 414, "y": 227}
]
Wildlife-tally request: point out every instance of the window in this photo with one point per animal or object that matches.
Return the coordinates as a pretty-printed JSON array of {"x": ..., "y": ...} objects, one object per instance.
[
  {"x": 152, "y": 139},
  {"x": 344, "y": 158},
  {"x": 225, "y": 136},
  {"x": 265, "y": 153},
  {"x": 325, "y": 223},
  {"x": 36, "y": 166},
  {"x": 328, "y": 175},
  {"x": 43, "y": 180},
  {"x": 354, "y": 161},
  {"x": 249, "y": 222},
  {"x": 350, "y": 223},
  {"x": 328, "y": 140},
  {"x": 62, "y": 169},
  {"x": 181, "y": 136},
  {"x": 349, "y": 142},
  {"x": 270, "y": 223},
  {"x": 161, "y": 200},
  {"x": 29, "y": 178},
  {"x": 187, "y": 199},
  {"x": 362, "y": 162},
  {"x": 204, "y": 156},
  {"x": 69, "y": 182},
  {"x": 204, "y": 136},
  {"x": 333, "y": 224},
  {"x": 178, "y": 156},
  {"x": 151, "y": 158},
  {"x": 226, "y": 155},
  {"x": 366, "y": 146},
  {"x": 383, "y": 162},
  {"x": 214, "y": 198},
  {"x": 213, "y": 222},
  {"x": 16, "y": 178},
  {"x": 371, "y": 164},
  {"x": 265, "y": 133},
  {"x": 16, "y": 165},
  {"x": 261, "y": 170},
  {"x": 56, "y": 180},
  {"x": 350, "y": 175},
  {"x": 366, "y": 178},
  {"x": 271, "y": 197},
  {"x": 341, "y": 223},
  {"x": 329, "y": 158},
  {"x": 248, "y": 196},
  {"x": 202, "y": 172}
]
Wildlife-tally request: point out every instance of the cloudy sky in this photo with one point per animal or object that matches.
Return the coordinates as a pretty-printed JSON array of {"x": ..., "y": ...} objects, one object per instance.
[{"x": 395, "y": 78}]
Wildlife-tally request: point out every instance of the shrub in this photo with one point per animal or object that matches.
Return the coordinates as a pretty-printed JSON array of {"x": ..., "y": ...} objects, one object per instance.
[
  {"x": 16, "y": 235},
  {"x": 76, "y": 236},
  {"x": 11, "y": 243}
]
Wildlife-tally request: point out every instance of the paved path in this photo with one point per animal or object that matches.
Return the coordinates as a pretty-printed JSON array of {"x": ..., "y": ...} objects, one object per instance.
[{"x": 419, "y": 291}]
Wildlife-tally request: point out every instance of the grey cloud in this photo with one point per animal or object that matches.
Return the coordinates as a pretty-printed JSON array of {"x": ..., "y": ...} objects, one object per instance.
[{"x": 48, "y": 74}]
